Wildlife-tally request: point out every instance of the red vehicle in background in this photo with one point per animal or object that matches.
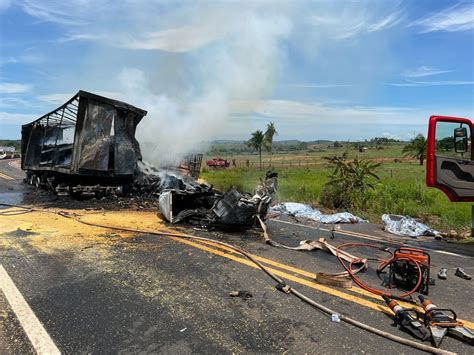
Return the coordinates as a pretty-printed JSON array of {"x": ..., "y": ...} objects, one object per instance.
[
  {"x": 218, "y": 163},
  {"x": 450, "y": 158}
]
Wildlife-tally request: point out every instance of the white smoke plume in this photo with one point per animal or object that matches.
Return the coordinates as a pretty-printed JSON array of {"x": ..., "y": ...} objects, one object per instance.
[{"x": 240, "y": 62}]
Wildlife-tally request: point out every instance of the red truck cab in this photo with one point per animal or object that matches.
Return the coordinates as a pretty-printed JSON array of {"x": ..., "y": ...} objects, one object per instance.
[{"x": 450, "y": 157}]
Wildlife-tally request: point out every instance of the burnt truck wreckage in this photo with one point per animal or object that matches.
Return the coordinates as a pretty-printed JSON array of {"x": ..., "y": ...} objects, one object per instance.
[
  {"x": 87, "y": 145},
  {"x": 183, "y": 199},
  {"x": 232, "y": 209}
]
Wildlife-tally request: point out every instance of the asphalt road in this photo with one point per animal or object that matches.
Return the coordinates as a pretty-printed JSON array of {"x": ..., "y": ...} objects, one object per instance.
[{"x": 100, "y": 290}]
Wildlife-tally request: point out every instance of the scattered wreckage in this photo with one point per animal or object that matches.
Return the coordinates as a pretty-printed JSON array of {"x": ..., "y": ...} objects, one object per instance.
[
  {"x": 184, "y": 199},
  {"x": 87, "y": 145}
]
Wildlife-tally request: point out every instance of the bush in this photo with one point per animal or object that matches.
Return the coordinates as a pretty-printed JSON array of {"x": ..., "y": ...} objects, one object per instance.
[{"x": 349, "y": 183}]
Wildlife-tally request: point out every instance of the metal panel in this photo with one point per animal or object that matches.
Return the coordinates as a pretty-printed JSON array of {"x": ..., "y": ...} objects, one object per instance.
[
  {"x": 125, "y": 158},
  {"x": 94, "y": 139}
]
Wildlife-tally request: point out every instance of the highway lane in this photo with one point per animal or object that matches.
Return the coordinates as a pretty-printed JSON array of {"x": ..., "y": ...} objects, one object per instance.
[{"x": 100, "y": 290}]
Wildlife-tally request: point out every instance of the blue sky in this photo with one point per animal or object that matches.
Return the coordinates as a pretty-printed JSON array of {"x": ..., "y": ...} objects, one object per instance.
[{"x": 318, "y": 69}]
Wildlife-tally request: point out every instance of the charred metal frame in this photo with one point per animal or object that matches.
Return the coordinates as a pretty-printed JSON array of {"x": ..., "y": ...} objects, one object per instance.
[{"x": 89, "y": 135}]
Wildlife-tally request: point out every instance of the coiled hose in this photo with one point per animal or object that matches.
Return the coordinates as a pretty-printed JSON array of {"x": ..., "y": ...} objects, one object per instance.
[
  {"x": 281, "y": 284},
  {"x": 383, "y": 264}
]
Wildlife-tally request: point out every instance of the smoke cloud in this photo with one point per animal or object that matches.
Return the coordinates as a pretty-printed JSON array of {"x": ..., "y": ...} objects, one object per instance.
[{"x": 241, "y": 61}]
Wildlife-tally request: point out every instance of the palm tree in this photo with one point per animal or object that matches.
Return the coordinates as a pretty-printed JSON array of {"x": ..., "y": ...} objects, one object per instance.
[
  {"x": 256, "y": 142},
  {"x": 269, "y": 133},
  {"x": 416, "y": 148}
]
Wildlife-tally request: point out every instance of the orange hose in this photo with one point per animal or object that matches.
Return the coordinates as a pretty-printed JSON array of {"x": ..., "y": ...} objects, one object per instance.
[{"x": 384, "y": 263}]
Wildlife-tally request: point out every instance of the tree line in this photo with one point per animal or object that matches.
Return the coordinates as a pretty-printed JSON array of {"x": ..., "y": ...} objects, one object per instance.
[{"x": 260, "y": 140}]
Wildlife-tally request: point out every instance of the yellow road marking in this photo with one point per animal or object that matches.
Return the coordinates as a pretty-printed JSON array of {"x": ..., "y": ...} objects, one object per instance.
[
  {"x": 232, "y": 255},
  {"x": 287, "y": 276},
  {"x": 6, "y": 177},
  {"x": 342, "y": 231},
  {"x": 301, "y": 281},
  {"x": 312, "y": 277}
]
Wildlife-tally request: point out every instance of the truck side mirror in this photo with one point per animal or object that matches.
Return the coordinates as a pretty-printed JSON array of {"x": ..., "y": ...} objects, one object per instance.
[{"x": 460, "y": 140}]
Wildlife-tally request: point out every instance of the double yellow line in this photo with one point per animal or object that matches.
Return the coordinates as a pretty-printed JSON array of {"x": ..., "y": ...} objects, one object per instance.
[
  {"x": 6, "y": 177},
  {"x": 302, "y": 277}
]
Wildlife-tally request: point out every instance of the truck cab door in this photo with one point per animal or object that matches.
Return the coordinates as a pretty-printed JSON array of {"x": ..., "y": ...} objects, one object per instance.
[{"x": 450, "y": 164}]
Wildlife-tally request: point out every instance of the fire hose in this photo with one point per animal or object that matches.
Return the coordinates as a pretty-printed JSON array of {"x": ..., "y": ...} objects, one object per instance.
[
  {"x": 383, "y": 264},
  {"x": 281, "y": 285}
]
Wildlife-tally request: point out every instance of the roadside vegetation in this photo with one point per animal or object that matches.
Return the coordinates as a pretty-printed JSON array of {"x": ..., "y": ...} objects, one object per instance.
[{"x": 383, "y": 181}]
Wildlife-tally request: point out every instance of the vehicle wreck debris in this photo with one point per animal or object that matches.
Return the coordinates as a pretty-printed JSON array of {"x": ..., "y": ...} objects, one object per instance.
[
  {"x": 182, "y": 198},
  {"x": 406, "y": 226},
  {"x": 305, "y": 211},
  {"x": 199, "y": 203},
  {"x": 86, "y": 146}
]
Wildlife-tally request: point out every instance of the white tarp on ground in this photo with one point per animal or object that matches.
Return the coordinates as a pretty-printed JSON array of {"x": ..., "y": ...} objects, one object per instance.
[
  {"x": 305, "y": 211},
  {"x": 406, "y": 226}
]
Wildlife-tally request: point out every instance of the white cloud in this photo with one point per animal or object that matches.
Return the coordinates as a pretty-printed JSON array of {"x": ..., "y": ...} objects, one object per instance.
[
  {"x": 318, "y": 86},
  {"x": 454, "y": 19},
  {"x": 16, "y": 118},
  {"x": 315, "y": 111},
  {"x": 178, "y": 40},
  {"x": 59, "y": 11},
  {"x": 321, "y": 120},
  {"x": 387, "y": 22},
  {"x": 356, "y": 19},
  {"x": 433, "y": 83},
  {"x": 391, "y": 136},
  {"x": 14, "y": 88},
  {"x": 13, "y": 102},
  {"x": 5, "y": 4},
  {"x": 424, "y": 71},
  {"x": 56, "y": 99},
  {"x": 26, "y": 58},
  {"x": 61, "y": 98}
]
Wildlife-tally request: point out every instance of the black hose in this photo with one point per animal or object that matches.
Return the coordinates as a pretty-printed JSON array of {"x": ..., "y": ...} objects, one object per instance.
[{"x": 282, "y": 285}]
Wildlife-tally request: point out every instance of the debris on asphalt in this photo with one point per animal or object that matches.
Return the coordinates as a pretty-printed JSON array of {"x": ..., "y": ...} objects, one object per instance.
[
  {"x": 200, "y": 204},
  {"x": 443, "y": 274},
  {"x": 343, "y": 281},
  {"x": 244, "y": 294},
  {"x": 306, "y": 211},
  {"x": 460, "y": 272},
  {"x": 336, "y": 318},
  {"x": 406, "y": 226}
]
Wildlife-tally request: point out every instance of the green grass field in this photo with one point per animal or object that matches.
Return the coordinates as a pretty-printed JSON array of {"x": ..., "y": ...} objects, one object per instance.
[{"x": 401, "y": 189}]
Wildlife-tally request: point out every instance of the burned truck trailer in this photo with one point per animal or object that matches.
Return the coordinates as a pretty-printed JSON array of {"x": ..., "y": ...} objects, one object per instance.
[{"x": 87, "y": 145}]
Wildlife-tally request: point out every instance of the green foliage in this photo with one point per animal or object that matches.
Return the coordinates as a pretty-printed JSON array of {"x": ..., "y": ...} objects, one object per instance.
[
  {"x": 445, "y": 144},
  {"x": 268, "y": 136},
  {"x": 11, "y": 143},
  {"x": 256, "y": 142},
  {"x": 401, "y": 190},
  {"x": 416, "y": 148},
  {"x": 349, "y": 182}
]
